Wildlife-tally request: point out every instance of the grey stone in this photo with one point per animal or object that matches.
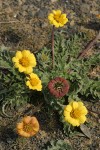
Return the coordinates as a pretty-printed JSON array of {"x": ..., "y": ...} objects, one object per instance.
[
  {"x": 43, "y": 25},
  {"x": 42, "y": 13},
  {"x": 85, "y": 8},
  {"x": 25, "y": 7},
  {"x": 53, "y": 1}
]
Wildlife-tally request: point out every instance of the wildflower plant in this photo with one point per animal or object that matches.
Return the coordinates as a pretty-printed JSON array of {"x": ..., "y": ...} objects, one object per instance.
[
  {"x": 58, "y": 145},
  {"x": 17, "y": 85},
  {"x": 62, "y": 74},
  {"x": 72, "y": 72}
]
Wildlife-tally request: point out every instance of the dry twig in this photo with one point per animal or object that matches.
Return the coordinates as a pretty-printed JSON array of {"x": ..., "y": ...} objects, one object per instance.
[
  {"x": 5, "y": 22},
  {"x": 89, "y": 46}
]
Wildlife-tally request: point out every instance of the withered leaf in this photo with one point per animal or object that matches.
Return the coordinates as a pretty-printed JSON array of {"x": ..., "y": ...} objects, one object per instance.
[{"x": 85, "y": 130}]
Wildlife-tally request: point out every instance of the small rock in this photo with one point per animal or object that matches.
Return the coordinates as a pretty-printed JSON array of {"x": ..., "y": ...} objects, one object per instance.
[
  {"x": 8, "y": 10},
  {"x": 20, "y": 2},
  {"x": 24, "y": 13},
  {"x": 53, "y": 1},
  {"x": 43, "y": 25},
  {"x": 25, "y": 7},
  {"x": 42, "y": 13},
  {"x": 15, "y": 147},
  {"x": 0, "y": 118},
  {"x": 32, "y": 13},
  {"x": 0, "y": 5},
  {"x": 72, "y": 23},
  {"x": 9, "y": 140},
  {"x": 85, "y": 8}
]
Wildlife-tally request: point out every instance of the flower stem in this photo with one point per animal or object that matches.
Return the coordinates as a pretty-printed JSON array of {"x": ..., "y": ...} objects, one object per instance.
[
  {"x": 52, "y": 40},
  {"x": 60, "y": 104}
]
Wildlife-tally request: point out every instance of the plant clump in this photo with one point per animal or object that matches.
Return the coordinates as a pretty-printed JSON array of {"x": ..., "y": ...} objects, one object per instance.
[{"x": 62, "y": 75}]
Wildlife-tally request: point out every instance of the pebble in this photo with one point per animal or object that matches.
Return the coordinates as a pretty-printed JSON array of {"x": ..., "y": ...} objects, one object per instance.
[
  {"x": 44, "y": 25},
  {"x": 20, "y": 2},
  {"x": 53, "y": 1},
  {"x": 42, "y": 13},
  {"x": 85, "y": 8},
  {"x": 25, "y": 7}
]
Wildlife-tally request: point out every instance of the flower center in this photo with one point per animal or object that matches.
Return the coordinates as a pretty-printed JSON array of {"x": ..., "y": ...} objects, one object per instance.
[
  {"x": 28, "y": 128},
  {"x": 24, "y": 61},
  {"x": 57, "y": 18},
  {"x": 58, "y": 86},
  {"x": 76, "y": 113},
  {"x": 34, "y": 81}
]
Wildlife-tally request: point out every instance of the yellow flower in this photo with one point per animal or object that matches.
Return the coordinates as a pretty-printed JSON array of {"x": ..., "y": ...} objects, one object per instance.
[
  {"x": 28, "y": 127},
  {"x": 75, "y": 113},
  {"x": 24, "y": 61},
  {"x": 57, "y": 18},
  {"x": 34, "y": 82}
]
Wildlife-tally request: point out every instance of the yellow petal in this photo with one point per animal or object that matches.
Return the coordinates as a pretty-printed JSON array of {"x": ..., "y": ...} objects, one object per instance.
[
  {"x": 27, "y": 83},
  {"x": 61, "y": 25},
  {"x": 56, "y": 24},
  {"x": 23, "y": 133},
  {"x": 26, "y": 53},
  {"x": 63, "y": 16},
  {"x": 32, "y": 60},
  {"x": 65, "y": 21},
  {"x": 33, "y": 75},
  {"x": 68, "y": 108},
  {"x": 27, "y": 119},
  {"x": 20, "y": 68},
  {"x": 75, "y": 105},
  {"x": 50, "y": 16},
  {"x": 67, "y": 115},
  {"x": 19, "y": 54},
  {"x": 14, "y": 59},
  {"x": 20, "y": 125},
  {"x": 57, "y": 12},
  {"x": 82, "y": 119},
  {"x": 39, "y": 87},
  {"x": 29, "y": 70},
  {"x": 80, "y": 104},
  {"x": 84, "y": 110},
  {"x": 74, "y": 122}
]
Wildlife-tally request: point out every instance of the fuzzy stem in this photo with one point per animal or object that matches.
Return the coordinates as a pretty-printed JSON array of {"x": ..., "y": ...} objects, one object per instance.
[
  {"x": 61, "y": 104},
  {"x": 52, "y": 40}
]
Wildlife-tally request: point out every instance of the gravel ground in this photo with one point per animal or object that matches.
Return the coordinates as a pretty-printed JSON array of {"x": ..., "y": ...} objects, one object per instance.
[
  {"x": 24, "y": 25},
  {"x": 50, "y": 129}
]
